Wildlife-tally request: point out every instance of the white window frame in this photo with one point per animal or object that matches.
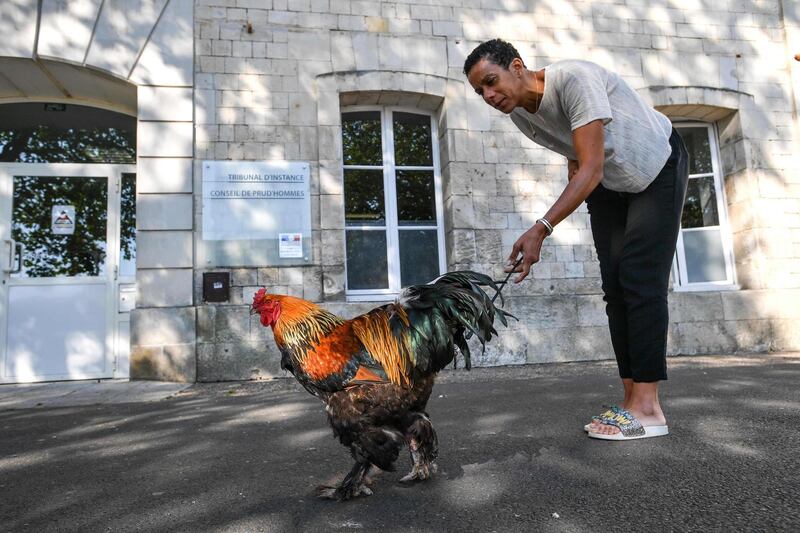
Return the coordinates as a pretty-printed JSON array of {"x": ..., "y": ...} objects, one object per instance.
[
  {"x": 679, "y": 273},
  {"x": 390, "y": 202}
]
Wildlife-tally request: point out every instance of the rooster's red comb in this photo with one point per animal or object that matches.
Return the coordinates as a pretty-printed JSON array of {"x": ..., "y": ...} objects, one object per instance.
[{"x": 259, "y": 295}]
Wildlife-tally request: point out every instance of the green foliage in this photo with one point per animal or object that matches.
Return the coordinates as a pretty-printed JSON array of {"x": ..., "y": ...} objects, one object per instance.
[
  {"x": 700, "y": 208},
  {"x": 699, "y": 149},
  {"x": 363, "y": 197},
  {"x": 361, "y": 138},
  {"x": 416, "y": 198},
  {"x": 128, "y": 217},
  {"x": 43, "y": 144},
  {"x": 412, "y": 140},
  {"x": 48, "y": 254}
]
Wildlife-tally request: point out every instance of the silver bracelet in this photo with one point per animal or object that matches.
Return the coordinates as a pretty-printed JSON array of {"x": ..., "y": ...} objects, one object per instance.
[{"x": 547, "y": 225}]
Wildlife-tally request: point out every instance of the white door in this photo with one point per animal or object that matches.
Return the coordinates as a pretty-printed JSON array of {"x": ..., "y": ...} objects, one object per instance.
[{"x": 60, "y": 257}]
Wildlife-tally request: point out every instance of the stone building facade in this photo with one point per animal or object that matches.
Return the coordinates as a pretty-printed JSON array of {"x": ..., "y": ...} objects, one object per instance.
[{"x": 269, "y": 80}]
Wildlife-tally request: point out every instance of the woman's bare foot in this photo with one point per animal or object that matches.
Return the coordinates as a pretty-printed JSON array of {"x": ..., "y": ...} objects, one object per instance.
[
  {"x": 627, "y": 385},
  {"x": 646, "y": 418},
  {"x": 642, "y": 403}
]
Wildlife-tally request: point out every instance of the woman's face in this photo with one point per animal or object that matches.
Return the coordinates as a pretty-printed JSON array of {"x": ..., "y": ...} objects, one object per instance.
[{"x": 500, "y": 88}]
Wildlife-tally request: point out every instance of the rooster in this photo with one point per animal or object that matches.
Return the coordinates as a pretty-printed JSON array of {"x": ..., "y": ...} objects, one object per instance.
[{"x": 375, "y": 372}]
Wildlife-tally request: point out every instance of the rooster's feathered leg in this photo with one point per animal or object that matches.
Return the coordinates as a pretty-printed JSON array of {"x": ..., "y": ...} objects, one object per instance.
[
  {"x": 371, "y": 447},
  {"x": 371, "y": 475},
  {"x": 360, "y": 419},
  {"x": 423, "y": 445},
  {"x": 351, "y": 486}
]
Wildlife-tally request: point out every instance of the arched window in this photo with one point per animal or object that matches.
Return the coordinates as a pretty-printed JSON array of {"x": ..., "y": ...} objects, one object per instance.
[{"x": 393, "y": 200}]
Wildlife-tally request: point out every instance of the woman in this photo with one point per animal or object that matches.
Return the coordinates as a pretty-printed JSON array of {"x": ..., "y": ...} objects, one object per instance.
[{"x": 631, "y": 167}]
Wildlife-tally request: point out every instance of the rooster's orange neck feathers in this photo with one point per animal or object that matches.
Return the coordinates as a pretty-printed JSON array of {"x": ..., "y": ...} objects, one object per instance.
[
  {"x": 301, "y": 327},
  {"x": 302, "y": 322}
]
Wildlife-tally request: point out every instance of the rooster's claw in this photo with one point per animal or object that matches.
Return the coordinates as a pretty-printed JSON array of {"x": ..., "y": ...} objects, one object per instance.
[
  {"x": 420, "y": 472},
  {"x": 341, "y": 494}
]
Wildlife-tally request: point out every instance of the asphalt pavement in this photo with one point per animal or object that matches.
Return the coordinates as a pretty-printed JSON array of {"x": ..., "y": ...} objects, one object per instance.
[
  {"x": 89, "y": 392},
  {"x": 241, "y": 457}
]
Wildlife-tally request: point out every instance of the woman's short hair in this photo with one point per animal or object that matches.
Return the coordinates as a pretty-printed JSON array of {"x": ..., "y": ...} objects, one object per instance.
[{"x": 497, "y": 51}]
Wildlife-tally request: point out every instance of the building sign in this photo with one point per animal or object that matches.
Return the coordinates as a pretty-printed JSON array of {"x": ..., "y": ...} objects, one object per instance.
[
  {"x": 255, "y": 200},
  {"x": 62, "y": 220}
]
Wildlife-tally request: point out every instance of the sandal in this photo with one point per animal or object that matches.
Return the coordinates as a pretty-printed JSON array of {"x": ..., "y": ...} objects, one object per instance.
[
  {"x": 613, "y": 410},
  {"x": 629, "y": 427}
]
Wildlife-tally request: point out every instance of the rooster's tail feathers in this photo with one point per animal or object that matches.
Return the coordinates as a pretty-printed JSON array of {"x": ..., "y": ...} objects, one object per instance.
[
  {"x": 452, "y": 304},
  {"x": 419, "y": 331}
]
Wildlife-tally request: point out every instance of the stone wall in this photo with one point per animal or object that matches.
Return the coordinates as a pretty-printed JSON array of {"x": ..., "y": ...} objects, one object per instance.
[
  {"x": 272, "y": 76},
  {"x": 267, "y": 80},
  {"x": 163, "y": 324}
]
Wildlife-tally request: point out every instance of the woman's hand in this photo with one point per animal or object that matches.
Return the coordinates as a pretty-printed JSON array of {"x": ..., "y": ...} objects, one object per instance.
[{"x": 530, "y": 246}]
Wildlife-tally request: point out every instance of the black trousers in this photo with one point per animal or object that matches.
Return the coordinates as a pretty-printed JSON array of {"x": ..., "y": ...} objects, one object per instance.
[{"x": 635, "y": 236}]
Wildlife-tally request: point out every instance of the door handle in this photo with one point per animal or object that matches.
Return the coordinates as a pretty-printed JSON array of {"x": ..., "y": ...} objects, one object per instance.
[
  {"x": 12, "y": 244},
  {"x": 16, "y": 251},
  {"x": 20, "y": 249}
]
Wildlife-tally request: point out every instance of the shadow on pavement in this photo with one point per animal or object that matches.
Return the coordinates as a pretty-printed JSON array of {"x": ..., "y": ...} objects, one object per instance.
[{"x": 513, "y": 457}]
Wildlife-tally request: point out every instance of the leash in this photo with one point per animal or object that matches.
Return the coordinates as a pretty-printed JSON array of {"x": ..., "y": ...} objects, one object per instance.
[{"x": 505, "y": 281}]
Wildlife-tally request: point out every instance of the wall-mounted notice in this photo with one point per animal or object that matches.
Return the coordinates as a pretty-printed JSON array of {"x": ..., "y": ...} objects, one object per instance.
[
  {"x": 291, "y": 245},
  {"x": 253, "y": 200}
]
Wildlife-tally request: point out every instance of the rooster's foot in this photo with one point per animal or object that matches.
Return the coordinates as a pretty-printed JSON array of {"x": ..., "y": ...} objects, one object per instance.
[
  {"x": 420, "y": 472},
  {"x": 371, "y": 475},
  {"x": 342, "y": 493}
]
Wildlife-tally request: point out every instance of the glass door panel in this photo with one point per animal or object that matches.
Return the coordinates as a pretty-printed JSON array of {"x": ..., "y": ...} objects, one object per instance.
[
  {"x": 126, "y": 282},
  {"x": 127, "y": 232},
  {"x": 60, "y": 224}
]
